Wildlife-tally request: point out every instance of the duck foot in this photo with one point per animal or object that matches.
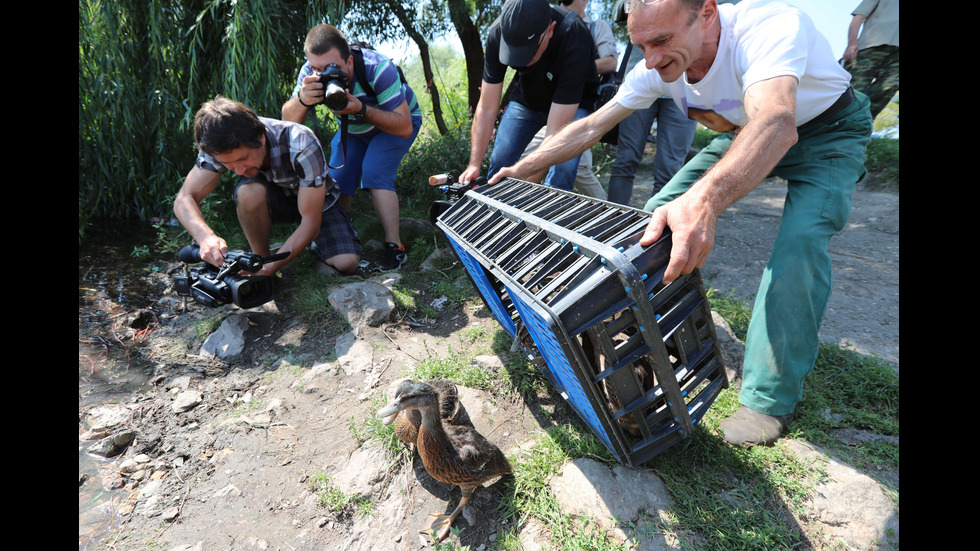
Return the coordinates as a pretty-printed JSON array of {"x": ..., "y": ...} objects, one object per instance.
[{"x": 437, "y": 527}]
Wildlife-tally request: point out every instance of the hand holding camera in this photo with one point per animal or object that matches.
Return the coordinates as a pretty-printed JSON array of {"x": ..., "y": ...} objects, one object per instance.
[
  {"x": 335, "y": 85},
  {"x": 329, "y": 87}
]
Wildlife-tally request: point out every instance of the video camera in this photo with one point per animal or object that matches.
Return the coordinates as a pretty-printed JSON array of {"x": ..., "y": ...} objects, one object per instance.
[
  {"x": 452, "y": 190},
  {"x": 335, "y": 84},
  {"x": 213, "y": 286}
]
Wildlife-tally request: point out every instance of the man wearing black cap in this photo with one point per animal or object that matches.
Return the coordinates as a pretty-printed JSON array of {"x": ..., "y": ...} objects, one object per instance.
[{"x": 554, "y": 55}]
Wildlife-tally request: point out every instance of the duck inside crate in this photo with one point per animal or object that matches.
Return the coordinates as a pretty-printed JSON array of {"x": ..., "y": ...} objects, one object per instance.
[{"x": 636, "y": 359}]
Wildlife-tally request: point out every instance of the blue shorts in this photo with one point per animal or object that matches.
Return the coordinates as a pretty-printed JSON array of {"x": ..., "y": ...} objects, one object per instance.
[{"x": 372, "y": 161}]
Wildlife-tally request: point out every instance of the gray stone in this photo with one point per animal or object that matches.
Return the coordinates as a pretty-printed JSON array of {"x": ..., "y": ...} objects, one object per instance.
[
  {"x": 186, "y": 401},
  {"x": 229, "y": 340},
  {"x": 364, "y": 303},
  {"x": 849, "y": 506},
  {"x": 113, "y": 444},
  {"x": 614, "y": 497}
]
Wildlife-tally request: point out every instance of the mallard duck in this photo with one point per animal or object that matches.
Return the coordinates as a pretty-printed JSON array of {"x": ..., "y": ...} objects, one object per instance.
[
  {"x": 407, "y": 421},
  {"x": 453, "y": 454}
]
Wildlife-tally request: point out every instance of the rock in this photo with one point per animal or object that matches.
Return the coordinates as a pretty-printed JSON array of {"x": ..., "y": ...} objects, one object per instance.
[
  {"x": 361, "y": 304},
  {"x": 388, "y": 279},
  {"x": 239, "y": 379},
  {"x": 229, "y": 340},
  {"x": 411, "y": 228},
  {"x": 228, "y": 491},
  {"x": 112, "y": 445},
  {"x": 614, "y": 497},
  {"x": 149, "y": 497},
  {"x": 365, "y": 468},
  {"x": 848, "y": 506},
  {"x": 439, "y": 259},
  {"x": 731, "y": 349},
  {"x": 186, "y": 401},
  {"x": 353, "y": 356},
  {"x": 180, "y": 383},
  {"x": 106, "y": 418},
  {"x": 491, "y": 362}
]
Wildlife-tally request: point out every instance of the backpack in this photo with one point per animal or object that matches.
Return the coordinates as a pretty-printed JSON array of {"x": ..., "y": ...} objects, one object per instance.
[{"x": 359, "y": 69}]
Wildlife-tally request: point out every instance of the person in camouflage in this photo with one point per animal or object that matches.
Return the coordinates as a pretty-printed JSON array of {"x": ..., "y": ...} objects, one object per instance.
[{"x": 872, "y": 57}]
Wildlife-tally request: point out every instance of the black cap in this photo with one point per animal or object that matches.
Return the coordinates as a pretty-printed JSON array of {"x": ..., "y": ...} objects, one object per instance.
[{"x": 522, "y": 23}]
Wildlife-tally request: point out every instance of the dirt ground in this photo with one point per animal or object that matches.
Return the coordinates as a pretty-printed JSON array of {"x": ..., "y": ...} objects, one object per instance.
[{"x": 237, "y": 474}]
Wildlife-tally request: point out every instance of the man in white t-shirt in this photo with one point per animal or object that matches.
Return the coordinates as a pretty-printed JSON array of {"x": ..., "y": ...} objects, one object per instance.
[{"x": 761, "y": 73}]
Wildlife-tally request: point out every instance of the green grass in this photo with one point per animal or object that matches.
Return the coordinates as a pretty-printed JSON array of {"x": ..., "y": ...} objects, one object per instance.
[
  {"x": 883, "y": 161},
  {"x": 337, "y": 502}
]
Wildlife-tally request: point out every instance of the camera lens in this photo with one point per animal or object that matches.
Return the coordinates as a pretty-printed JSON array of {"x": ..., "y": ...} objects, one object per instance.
[{"x": 335, "y": 97}]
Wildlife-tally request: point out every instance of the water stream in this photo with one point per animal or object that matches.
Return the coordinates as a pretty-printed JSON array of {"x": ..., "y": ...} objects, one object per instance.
[{"x": 111, "y": 286}]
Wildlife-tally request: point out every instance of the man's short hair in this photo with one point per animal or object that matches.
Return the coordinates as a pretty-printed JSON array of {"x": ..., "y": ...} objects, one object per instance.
[
  {"x": 222, "y": 125},
  {"x": 323, "y": 38},
  {"x": 693, "y": 7}
]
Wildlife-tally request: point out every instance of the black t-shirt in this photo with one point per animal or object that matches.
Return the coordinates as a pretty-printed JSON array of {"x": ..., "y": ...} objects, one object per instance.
[{"x": 565, "y": 74}]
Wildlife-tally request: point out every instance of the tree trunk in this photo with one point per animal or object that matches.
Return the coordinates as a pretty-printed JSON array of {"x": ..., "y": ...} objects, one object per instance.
[
  {"x": 469, "y": 36},
  {"x": 430, "y": 86}
]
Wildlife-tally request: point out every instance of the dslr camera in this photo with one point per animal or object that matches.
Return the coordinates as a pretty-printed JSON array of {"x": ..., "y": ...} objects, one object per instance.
[
  {"x": 216, "y": 286},
  {"x": 335, "y": 84}
]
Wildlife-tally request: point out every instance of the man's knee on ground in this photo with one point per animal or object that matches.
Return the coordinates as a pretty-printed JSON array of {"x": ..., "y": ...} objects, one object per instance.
[{"x": 344, "y": 263}]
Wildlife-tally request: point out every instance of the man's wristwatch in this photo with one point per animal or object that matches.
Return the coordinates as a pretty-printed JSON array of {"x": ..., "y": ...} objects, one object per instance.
[{"x": 362, "y": 113}]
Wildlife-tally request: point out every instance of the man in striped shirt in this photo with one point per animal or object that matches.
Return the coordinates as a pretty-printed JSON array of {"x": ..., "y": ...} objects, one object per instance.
[{"x": 386, "y": 120}]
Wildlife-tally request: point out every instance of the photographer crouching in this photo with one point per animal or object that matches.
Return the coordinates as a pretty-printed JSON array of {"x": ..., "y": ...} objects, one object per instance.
[{"x": 283, "y": 179}]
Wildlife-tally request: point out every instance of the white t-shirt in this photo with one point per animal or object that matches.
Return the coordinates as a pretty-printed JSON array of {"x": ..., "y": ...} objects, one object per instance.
[{"x": 760, "y": 40}]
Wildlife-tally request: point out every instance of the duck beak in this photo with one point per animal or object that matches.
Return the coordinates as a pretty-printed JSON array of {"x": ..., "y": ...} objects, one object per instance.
[{"x": 388, "y": 412}]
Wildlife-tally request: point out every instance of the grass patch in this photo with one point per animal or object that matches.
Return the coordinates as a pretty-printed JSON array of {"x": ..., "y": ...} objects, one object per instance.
[
  {"x": 883, "y": 162},
  {"x": 457, "y": 366},
  {"x": 337, "y": 502}
]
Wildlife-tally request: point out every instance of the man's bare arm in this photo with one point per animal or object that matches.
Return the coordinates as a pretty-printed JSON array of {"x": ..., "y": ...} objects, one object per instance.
[
  {"x": 483, "y": 122},
  {"x": 568, "y": 143}
]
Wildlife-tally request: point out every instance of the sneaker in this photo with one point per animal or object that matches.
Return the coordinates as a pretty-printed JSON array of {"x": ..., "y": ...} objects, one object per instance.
[
  {"x": 393, "y": 258},
  {"x": 748, "y": 427}
]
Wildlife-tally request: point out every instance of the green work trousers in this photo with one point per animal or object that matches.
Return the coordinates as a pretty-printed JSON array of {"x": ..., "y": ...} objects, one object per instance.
[{"x": 821, "y": 169}]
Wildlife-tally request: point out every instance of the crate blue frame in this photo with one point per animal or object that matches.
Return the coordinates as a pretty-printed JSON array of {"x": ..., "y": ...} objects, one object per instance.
[{"x": 636, "y": 359}]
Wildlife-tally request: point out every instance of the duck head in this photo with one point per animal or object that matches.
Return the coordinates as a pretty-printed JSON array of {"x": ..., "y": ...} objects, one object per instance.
[{"x": 409, "y": 395}]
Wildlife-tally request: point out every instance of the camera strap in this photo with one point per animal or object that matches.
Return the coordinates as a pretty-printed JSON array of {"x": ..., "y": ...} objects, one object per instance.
[{"x": 343, "y": 138}]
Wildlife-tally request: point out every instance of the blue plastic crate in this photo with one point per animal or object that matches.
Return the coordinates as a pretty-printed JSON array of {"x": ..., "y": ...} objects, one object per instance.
[{"x": 636, "y": 359}]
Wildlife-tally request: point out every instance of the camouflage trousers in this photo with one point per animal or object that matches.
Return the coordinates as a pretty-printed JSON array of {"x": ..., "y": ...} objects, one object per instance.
[{"x": 874, "y": 71}]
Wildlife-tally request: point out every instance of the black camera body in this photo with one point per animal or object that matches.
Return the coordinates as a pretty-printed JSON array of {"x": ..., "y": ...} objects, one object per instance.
[
  {"x": 214, "y": 286},
  {"x": 335, "y": 84}
]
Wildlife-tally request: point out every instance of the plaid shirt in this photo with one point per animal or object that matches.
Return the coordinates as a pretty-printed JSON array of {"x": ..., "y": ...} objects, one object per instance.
[{"x": 296, "y": 159}]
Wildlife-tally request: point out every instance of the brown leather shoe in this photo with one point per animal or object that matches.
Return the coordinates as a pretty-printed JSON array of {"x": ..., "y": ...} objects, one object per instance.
[{"x": 747, "y": 427}]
